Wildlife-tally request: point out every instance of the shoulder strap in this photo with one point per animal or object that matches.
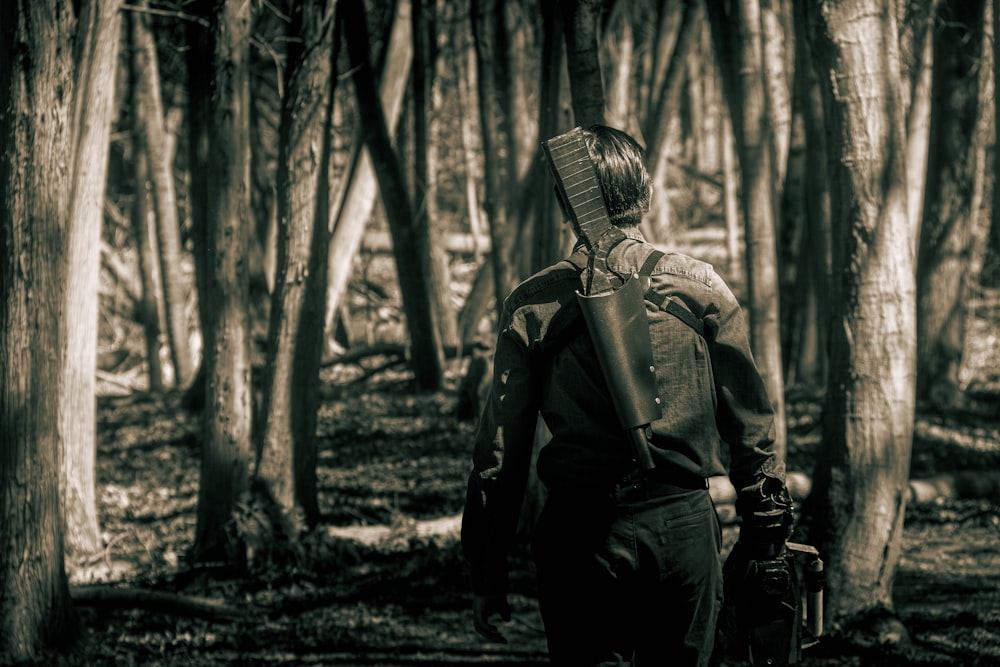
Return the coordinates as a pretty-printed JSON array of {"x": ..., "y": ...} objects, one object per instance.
[{"x": 665, "y": 302}]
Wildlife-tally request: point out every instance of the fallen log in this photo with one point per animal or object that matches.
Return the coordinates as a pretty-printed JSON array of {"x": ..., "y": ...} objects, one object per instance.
[{"x": 114, "y": 597}]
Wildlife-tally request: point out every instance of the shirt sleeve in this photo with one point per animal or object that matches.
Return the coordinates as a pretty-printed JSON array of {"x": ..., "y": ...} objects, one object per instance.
[
  {"x": 501, "y": 458},
  {"x": 745, "y": 416}
]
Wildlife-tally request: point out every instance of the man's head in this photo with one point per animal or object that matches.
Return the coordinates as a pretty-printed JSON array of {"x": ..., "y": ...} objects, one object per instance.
[{"x": 621, "y": 172}]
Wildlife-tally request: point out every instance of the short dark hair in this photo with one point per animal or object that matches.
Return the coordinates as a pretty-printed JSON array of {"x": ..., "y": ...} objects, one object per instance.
[{"x": 622, "y": 173}]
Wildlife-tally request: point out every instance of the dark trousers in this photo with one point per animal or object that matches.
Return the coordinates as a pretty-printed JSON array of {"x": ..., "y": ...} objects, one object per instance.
[{"x": 635, "y": 582}]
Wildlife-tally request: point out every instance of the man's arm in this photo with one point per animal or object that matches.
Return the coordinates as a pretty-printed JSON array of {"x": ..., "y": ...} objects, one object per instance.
[{"x": 501, "y": 458}]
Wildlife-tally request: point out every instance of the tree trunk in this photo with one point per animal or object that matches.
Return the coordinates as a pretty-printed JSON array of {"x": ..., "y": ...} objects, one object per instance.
[
  {"x": 164, "y": 200},
  {"x": 495, "y": 203},
  {"x": 740, "y": 46},
  {"x": 549, "y": 233},
  {"x": 947, "y": 234},
  {"x": 295, "y": 340},
  {"x": 620, "y": 44},
  {"x": 918, "y": 116},
  {"x": 587, "y": 89},
  {"x": 667, "y": 106},
  {"x": 36, "y": 84},
  {"x": 200, "y": 42},
  {"x": 99, "y": 32},
  {"x": 859, "y": 496},
  {"x": 228, "y": 404},
  {"x": 150, "y": 299},
  {"x": 426, "y": 97},
  {"x": 355, "y": 198},
  {"x": 409, "y": 238}
]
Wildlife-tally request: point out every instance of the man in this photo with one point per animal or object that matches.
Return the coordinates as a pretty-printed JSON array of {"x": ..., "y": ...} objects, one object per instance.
[{"x": 628, "y": 563}]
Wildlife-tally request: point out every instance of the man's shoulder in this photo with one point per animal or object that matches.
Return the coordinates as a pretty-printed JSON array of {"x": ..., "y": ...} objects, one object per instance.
[
  {"x": 636, "y": 257},
  {"x": 549, "y": 283},
  {"x": 679, "y": 264}
]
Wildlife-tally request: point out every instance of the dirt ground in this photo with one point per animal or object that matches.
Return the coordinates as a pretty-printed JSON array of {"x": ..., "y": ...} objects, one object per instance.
[{"x": 393, "y": 458}]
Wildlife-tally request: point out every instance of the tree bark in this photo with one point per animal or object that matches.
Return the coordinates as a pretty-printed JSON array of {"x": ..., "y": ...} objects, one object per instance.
[
  {"x": 409, "y": 238},
  {"x": 36, "y": 131},
  {"x": 295, "y": 339},
  {"x": 164, "y": 201},
  {"x": 947, "y": 234},
  {"x": 860, "y": 487},
  {"x": 740, "y": 46},
  {"x": 355, "y": 197},
  {"x": 99, "y": 32},
  {"x": 495, "y": 203},
  {"x": 426, "y": 127},
  {"x": 582, "y": 58},
  {"x": 228, "y": 414},
  {"x": 149, "y": 301}
]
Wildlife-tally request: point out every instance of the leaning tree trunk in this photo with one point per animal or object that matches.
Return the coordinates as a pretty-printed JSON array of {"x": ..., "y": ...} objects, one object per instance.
[
  {"x": 36, "y": 147},
  {"x": 225, "y": 456},
  {"x": 295, "y": 340},
  {"x": 859, "y": 496},
  {"x": 355, "y": 196},
  {"x": 99, "y": 32},
  {"x": 164, "y": 201},
  {"x": 410, "y": 240}
]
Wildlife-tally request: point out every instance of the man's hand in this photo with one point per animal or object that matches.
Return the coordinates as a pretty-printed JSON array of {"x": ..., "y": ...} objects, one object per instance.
[{"x": 483, "y": 608}]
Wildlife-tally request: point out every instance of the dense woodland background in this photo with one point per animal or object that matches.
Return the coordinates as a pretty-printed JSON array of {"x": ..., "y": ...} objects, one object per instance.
[{"x": 242, "y": 217}]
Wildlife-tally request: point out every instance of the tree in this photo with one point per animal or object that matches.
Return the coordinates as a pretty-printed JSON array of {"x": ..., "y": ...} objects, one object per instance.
[
  {"x": 410, "y": 239},
  {"x": 295, "y": 339},
  {"x": 94, "y": 107},
  {"x": 805, "y": 231},
  {"x": 36, "y": 130},
  {"x": 738, "y": 39},
  {"x": 586, "y": 87},
  {"x": 487, "y": 24},
  {"x": 149, "y": 300},
  {"x": 354, "y": 198},
  {"x": 954, "y": 193},
  {"x": 164, "y": 198},
  {"x": 225, "y": 461},
  {"x": 859, "y": 495}
]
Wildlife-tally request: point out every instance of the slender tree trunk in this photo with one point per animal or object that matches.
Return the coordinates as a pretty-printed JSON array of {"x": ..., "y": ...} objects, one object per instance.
[
  {"x": 409, "y": 238},
  {"x": 228, "y": 398},
  {"x": 731, "y": 200},
  {"x": 548, "y": 239},
  {"x": 36, "y": 84},
  {"x": 295, "y": 340},
  {"x": 860, "y": 487},
  {"x": 200, "y": 42},
  {"x": 355, "y": 198},
  {"x": 424, "y": 164},
  {"x": 947, "y": 234},
  {"x": 619, "y": 42},
  {"x": 164, "y": 201},
  {"x": 740, "y": 44},
  {"x": 777, "y": 86},
  {"x": 918, "y": 117},
  {"x": 150, "y": 302},
  {"x": 495, "y": 203},
  {"x": 581, "y": 32},
  {"x": 99, "y": 33},
  {"x": 667, "y": 106}
]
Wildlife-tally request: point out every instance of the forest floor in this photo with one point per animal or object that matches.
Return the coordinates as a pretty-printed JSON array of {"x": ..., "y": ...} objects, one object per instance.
[{"x": 374, "y": 585}]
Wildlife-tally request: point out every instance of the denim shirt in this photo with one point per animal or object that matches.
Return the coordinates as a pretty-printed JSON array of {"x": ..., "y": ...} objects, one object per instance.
[{"x": 716, "y": 416}]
